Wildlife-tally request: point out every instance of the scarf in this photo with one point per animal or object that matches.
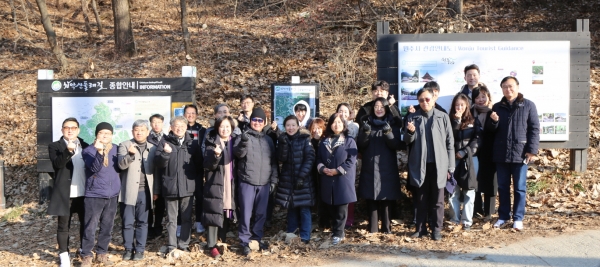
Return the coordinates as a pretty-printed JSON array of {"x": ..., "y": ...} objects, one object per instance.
[
  {"x": 107, "y": 148},
  {"x": 227, "y": 176},
  {"x": 480, "y": 112},
  {"x": 334, "y": 141}
]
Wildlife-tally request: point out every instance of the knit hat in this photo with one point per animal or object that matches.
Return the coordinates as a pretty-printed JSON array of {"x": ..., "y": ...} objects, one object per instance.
[
  {"x": 258, "y": 113},
  {"x": 103, "y": 126}
]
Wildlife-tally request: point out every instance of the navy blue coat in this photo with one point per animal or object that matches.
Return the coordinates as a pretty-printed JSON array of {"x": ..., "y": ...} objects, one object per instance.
[
  {"x": 297, "y": 158},
  {"x": 338, "y": 189},
  {"x": 517, "y": 130},
  {"x": 101, "y": 181}
]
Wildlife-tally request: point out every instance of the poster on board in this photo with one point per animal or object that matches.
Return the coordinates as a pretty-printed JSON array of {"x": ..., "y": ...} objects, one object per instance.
[
  {"x": 542, "y": 68},
  {"x": 284, "y": 97},
  {"x": 120, "y": 112}
]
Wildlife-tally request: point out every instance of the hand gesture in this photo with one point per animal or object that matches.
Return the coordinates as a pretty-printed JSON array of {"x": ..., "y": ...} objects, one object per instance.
[
  {"x": 366, "y": 127},
  {"x": 494, "y": 116},
  {"x": 71, "y": 146},
  {"x": 392, "y": 100},
  {"x": 458, "y": 114},
  {"x": 167, "y": 148},
  {"x": 99, "y": 146},
  {"x": 387, "y": 129},
  {"x": 245, "y": 137},
  {"x": 411, "y": 109},
  {"x": 241, "y": 117},
  {"x": 274, "y": 125},
  {"x": 458, "y": 156},
  {"x": 218, "y": 150},
  {"x": 132, "y": 149},
  {"x": 410, "y": 126},
  {"x": 528, "y": 158}
]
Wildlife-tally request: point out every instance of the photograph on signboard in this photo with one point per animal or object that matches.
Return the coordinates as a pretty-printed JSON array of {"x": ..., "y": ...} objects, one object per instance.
[
  {"x": 286, "y": 98},
  {"x": 560, "y": 117},
  {"x": 409, "y": 76},
  {"x": 178, "y": 108},
  {"x": 537, "y": 74},
  {"x": 120, "y": 112},
  {"x": 428, "y": 76},
  {"x": 560, "y": 129}
]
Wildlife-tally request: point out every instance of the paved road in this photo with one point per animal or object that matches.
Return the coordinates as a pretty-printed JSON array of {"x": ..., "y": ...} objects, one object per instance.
[{"x": 577, "y": 249}]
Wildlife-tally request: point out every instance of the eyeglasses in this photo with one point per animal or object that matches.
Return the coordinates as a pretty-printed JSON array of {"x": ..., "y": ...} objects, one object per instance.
[
  {"x": 70, "y": 128},
  {"x": 421, "y": 100},
  {"x": 259, "y": 120}
]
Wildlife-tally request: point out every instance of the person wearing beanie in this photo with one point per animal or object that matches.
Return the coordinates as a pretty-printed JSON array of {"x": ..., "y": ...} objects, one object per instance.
[
  {"x": 257, "y": 174},
  {"x": 102, "y": 188}
]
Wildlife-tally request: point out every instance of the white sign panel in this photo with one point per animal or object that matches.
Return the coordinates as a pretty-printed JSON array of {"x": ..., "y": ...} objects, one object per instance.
[
  {"x": 542, "y": 68},
  {"x": 120, "y": 112}
]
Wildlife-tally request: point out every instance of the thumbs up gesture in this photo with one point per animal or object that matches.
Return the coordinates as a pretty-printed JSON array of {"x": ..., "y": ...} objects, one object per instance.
[
  {"x": 132, "y": 149},
  {"x": 410, "y": 126},
  {"x": 411, "y": 109},
  {"x": 391, "y": 100},
  {"x": 99, "y": 146},
  {"x": 218, "y": 150},
  {"x": 71, "y": 146},
  {"x": 494, "y": 116},
  {"x": 167, "y": 148}
]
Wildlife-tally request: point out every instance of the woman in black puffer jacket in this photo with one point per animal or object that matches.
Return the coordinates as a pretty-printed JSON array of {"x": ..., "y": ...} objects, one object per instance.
[{"x": 296, "y": 191}]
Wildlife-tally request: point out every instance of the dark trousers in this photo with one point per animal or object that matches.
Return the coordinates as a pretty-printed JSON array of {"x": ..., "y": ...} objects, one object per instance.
[
  {"x": 198, "y": 197},
  {"x": 156, "y": 215},
  {"x": 376, "y": 208},
  {"x": 430, "y": 198},
  {"x": 215, "y": 233},
  {"x": 486, "y": 204},
  {"x": 338, "y": 215},
  {"x": 253, "y": 201},
  {"x": 99, "y": 212},
  {"x": 135, "y": 222},
  {"x": 176, "y": 206},
  {"x": 64, "y": 224}
]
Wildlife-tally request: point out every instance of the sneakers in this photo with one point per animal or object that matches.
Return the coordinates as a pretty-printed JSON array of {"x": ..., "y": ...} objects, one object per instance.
[
  {"x": 138, "y": 256},
  {"x": 199, "y": 228},
  {"x": 499, "y": 223},
  {"x": 437, "y": 235},
  {"x": 518, "y": 225},
  {"x": 246, "y": 250},
  {"x": 337, "y": 240},
  {"x": 127, "y": 255},
  {"x": 466, "y": 227},
  {"x": 86, "y": 261},
  {"x": 178, "y": 230},
  {"x": 305, "y": 241},
  {"x": 65, "y": 261},
  {"x": 214, "y": 252}
]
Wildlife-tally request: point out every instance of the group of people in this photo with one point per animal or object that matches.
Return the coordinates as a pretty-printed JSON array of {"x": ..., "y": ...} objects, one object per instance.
[{"x": 236, "y": 170}]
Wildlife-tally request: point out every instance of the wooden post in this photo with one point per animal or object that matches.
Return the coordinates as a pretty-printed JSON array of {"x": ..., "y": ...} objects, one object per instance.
[
  {"x": 46, "y": 184},
  {"x": 578, "y": 157},
  {"x": 2, "y": 186}
]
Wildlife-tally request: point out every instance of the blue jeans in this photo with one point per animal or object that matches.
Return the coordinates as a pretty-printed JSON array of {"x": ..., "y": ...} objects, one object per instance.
[
  {"x": 466, "y": 217},
  {"x": 135, "y": 222},
  {"x": 302, "y": 216},
  {"x": 518, "y": 171}
]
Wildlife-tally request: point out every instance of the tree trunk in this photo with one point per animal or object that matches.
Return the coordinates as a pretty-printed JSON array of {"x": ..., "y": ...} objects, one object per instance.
[
  {"x": 86, "y": 19},
  {"x": 184, "y": 27},
  {"x": 456, "y": 5},
  {"x": 124, "y": 42},
  {"x": 60, "y": 56},
  {"x": 14, "y": 14},
  {"x": 95, "y": 8}
]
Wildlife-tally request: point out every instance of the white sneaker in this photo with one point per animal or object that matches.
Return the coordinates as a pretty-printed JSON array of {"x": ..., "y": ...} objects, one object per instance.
[
  {"x": 178, "y": 230},
  {"x": 199, "y": 228},
  {"x": 499, "y": 223},
  {"x": 337, "y": 240},
  {"x": 518, "y": 225},
  {"x": 65, "y": 261}
]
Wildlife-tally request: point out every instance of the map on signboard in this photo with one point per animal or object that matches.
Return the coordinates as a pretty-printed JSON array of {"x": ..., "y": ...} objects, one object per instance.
[
  {"x": 286, "y": 97},
  {"x": 120, "y": 112}
]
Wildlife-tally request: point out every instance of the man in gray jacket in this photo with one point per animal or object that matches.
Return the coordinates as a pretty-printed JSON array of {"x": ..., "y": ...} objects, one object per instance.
[{"x": 136, "y": 161}]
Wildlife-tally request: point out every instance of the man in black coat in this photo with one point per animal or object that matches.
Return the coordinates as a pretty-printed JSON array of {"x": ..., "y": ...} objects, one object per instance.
[
  {"x": 69, "y": 184},
  {"x": 156, "y": 215},
  {"x": 472, "y": 78},
  {"x": 198, "y": 133},
  {"x": 379, "y": 89},
  {"x": 180, "y": 161}
]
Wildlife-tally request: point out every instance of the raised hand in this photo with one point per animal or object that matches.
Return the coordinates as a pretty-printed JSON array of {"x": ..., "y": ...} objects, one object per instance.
[
  {"x": 241, "y": 117},
  {"x": 71, "y": 146},
  {"x": 132, "y": 149},
  {"x": 245, "y": 137},
  {"x": 274, "y": 125},
  {"x": 411, "y": 109},
  {"x": 387, "y": 128},
  {"x": 167, "y": 148},
  {"x": 410, "y": 126},
  {"x": 392, "y": 100},
  {"x": 458, "y": 114},
  {"x": 99, "y": 146},
  {"x": 366, "y": 127},
  {"x": 218, "y": 150},
  {"x": 494, "y": 116}
]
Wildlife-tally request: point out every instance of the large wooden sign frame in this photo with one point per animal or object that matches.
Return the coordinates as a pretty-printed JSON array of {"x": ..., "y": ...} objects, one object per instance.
[{"x": 579, "y": 108}]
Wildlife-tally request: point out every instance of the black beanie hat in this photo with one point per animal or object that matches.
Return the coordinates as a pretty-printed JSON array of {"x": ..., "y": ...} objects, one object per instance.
[
  {"x": 103, "y": 126},
  {"x": 258, "y": 113}
]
